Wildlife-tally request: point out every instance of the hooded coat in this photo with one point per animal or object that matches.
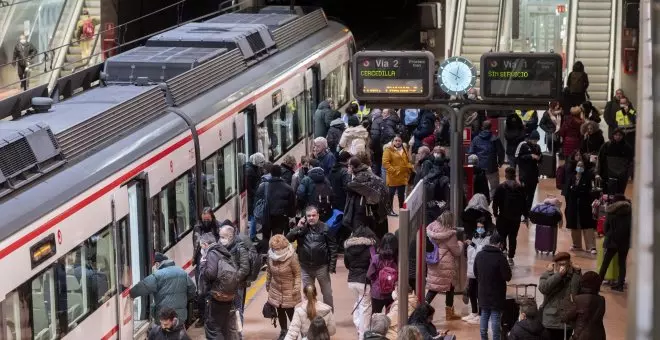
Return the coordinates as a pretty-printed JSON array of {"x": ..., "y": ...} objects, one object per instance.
[
  {"x": 357, "y": 257},
  {"x": 489, "y": 149},
  {"x": 306, "y": 191},
  {"x": 365, "y": 197},
  {"x": 587, "y": 312},
  {"x": 354, "y": 139},
  {"x": 335, "y": 133},
  {"x": 578, "y": 212},
  {"x": 528, "y": 329},
  {"x": 300, "y": 322},
  {"x": 555, "y": 289},
  {"x": 177, "y": 332},
  {"x": 283, "y": 279},
  {"x": 397, "y": 164},
  {"x": 618, "y": 225},
  {"x": 592, "y": 143},
  {"x": 320, "y": 125},
  {"x": 171, "y": 287},
  {"x": 442, "y": 275}
]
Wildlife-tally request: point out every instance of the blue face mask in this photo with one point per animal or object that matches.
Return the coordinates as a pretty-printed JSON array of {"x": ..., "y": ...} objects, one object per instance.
[
  {"x": 579, "y": 169},
  {"x": 481, "y": 231}
]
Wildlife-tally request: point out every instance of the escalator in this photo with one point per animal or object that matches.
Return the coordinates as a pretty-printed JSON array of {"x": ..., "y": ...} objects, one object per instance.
[
  {"x": 593, "y": 44},
  {"x": 478, "y": 29},
  {"x": 46, "y": 24}
]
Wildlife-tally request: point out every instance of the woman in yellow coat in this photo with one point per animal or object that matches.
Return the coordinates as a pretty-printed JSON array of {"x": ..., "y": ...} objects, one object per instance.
[{"x": 398, "y": 167}]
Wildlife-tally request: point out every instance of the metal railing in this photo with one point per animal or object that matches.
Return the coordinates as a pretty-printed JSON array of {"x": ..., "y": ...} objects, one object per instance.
[
  {"x": 500, "y": 23},
  {"x": 234, "y": 7},
  {"x": 58, "y": 57},
  {"x": 571, "y": 32},
  {"x": 613, "y": 48},
  {"x": 7, "y": 13}
]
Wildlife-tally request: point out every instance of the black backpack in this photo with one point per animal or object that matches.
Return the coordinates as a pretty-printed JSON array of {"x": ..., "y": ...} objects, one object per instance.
[
  {"x": 255, "y": 262},
  {"x": 322, "y": 199},
  {"x": 576, "y": 82}
]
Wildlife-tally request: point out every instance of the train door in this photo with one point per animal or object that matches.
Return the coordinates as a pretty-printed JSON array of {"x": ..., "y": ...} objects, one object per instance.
[
  {"x": 134, "y": 259},
  {"x": 312, "y": 99},
  {"x": 249, "y": 145},
  {"x": 241, "y": 159}
]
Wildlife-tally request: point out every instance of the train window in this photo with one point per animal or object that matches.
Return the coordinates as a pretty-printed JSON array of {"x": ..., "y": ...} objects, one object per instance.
[
  {"x": 15, "y": 316},
  {"x": 177, "y": 210},
  {"x": 124, "y": 252},
  {"x": 102, "y": 266},
  {"x": 78, "y": 277},
  {"x": 184, "y": 205},
  {"x": 166, "y": 225},
  {"x": 229, "y": 172},
  {"x": 241, "y": 159},
  {"x": 299, "y": 117},
  {"x": 211, "y": 192},
  {"x": 335, "y": 85},
  {"x": 43, "y": 306}
]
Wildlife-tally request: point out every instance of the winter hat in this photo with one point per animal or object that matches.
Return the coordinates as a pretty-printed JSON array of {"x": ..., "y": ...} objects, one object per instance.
[
  {"x": 226, "y": 222},
  {"x": 496, "y": 238},
  {"x": 160, "y": 257},
  {"x": 534, "y": 135},
  {"x": 473, "y": 160},
  {"x": 591, "y": 280},
  {"x": 353, "y": 121},
  {"x": 562, "y": 256},
  {"x": 430, "y": 140}
]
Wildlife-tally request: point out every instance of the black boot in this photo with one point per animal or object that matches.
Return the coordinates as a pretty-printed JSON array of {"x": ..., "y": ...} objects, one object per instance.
[{"x": 282, "y": 334}]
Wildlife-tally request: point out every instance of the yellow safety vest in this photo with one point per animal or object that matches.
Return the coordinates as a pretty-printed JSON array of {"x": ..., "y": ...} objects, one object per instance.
[
  {"x": 529, "y": 114},
  {"x": 361, "y": 112},
  {"x": 291, "y": 105},
  {"x": 623, "y": 121}
]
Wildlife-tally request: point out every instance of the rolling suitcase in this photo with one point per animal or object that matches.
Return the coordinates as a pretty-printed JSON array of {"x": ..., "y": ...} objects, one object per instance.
[
  {"x": 546, "y": 239},
  {"x": 548, "y": 166},
  {"x": 612, "y": 273}
]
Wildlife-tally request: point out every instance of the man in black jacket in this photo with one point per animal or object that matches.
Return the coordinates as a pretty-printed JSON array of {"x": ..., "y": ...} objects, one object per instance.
[
  {"x": 339, "y": 179},
  {"x": 529, "y": 156},
  {"x": 614, "y": 162},
  {"x": 317, "y": 252},
  {"x": 492, "y": 273},
  {"x": 279, "y": 206},
  {"x": 509, "y": 203},
  {"x": 240, "y": 254}
]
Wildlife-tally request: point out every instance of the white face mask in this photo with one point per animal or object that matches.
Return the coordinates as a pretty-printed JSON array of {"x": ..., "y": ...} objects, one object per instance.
[
  {"x": 224, "y": 241},
  {"x": 281, "y": 252},
  {"x": 23, "y": 41}
]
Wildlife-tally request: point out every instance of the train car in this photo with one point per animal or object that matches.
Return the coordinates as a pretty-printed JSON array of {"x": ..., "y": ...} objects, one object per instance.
[{"x": 179, "y": 114}]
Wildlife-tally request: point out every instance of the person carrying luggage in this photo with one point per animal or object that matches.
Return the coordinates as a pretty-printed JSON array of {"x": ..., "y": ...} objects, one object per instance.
[
  {"x": 548, "y": 219},
  {"x": 618, "y": 229}
]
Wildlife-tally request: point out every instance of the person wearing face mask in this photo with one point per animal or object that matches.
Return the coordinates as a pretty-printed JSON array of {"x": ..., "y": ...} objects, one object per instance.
[
  {"x": 528, "y": 154},
  {"x": 170, "y": 327},
  {"x": 240, "y": 254},
  {"x": 169, "y": 284},
  {"x": 612, "y": 107},
  {"x": 557, "y": 283},
  {"x": 626, "y": 119},
  {"x": 579, "y": 218},
  {"x": 24, "y": 51},
  {"x": 480, "y": 239},
  {"x": 423, "y": 164}
]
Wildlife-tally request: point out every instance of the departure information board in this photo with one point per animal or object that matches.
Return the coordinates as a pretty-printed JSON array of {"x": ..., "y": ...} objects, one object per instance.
[
  {"x": 521, "y": 76},
  {"x": 393, "y": 75}
]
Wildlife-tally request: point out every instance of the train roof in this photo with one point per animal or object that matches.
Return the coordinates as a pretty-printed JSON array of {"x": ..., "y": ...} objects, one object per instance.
[{"x": 123, "y": 147}]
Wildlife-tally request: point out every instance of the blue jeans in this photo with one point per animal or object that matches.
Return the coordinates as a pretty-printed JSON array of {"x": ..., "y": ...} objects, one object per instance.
[
  {"x": 252, "y": 224},
  {"x": 495, "y": 317}
]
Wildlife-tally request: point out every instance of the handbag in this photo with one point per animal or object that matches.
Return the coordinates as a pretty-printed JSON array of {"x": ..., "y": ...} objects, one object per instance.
[
  {"x": 261, "y": 207},
  {"x": 270, "y": 312}
]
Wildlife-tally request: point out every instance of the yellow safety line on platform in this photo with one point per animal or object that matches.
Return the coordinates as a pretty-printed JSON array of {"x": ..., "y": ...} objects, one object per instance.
[{"x": 255, "y": 288}]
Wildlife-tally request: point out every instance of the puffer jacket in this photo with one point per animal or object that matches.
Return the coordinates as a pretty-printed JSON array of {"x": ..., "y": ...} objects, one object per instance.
[
  {"x": 442, "y": 275},
  {"x": 287, "y": 174},
  {"x": 209, "y": 266},
  {"x": 171, "y": 287},
  {"x": 241, "y": 256},
  {"x": 327, "y": 160},
  {"x": 592, "y": 143},
  {"x": 489, "y": 149},
  {"x": 339, "y": 179},
  {"x": 357, "y": 257},
  {"x": 393, "y": 314},
  {"x": 618, "y": 225},
  {"x": 177, "y": 332},
  {"x": 316, "y": 247},
  {"x": 363, "y": 199},
  {"x": 397, "y": 165},
  {"x": 300, "y": 322},
  {"x": 555, "y": 289},
  {"x": 306, "y": 191},
  {"x": 473, "y": 249},
  {"x": 528, "y": 329},
  {"x": 283, "y": 279},
  {"x": 200, "y": 229},
  {"x": 280, "y": 197},
  {"x": 587, "y": 312},
  {"x": 424, "y": 129},
  {"x": 614, "y": 159},
  {"x": 354, "y": 139},
  {"x": 320, "y": 125},
  {"x": 335, "y": 132}
]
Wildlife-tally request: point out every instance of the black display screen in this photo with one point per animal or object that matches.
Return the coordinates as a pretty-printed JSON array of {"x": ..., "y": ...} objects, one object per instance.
[
  {"x": 393, "y": 75},
  {"x": 521, "y": 76}
]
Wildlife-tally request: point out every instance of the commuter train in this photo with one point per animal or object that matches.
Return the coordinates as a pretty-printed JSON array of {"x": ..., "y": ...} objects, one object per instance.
[{"x": 74, "y": 241}]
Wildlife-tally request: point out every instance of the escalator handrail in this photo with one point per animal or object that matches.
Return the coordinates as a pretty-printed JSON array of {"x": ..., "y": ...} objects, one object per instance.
[
  {"x": 500, "y": 22},
  {"x": 457, "y": 39},
  {"x": 572, "y": 33},
  {"x": 614, "y": 32},
  {"x": 58, "y": 58},
  {"x": 7, "y": 20}
]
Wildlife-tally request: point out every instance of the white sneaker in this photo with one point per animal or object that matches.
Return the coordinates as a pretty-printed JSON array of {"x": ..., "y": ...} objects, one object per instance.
[
  {"x": 475, "y": 320},
  {"x": 470, "y": 317}
]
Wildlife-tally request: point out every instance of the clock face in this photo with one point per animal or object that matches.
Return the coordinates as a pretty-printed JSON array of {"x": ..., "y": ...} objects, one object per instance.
[{"x": 456, "y": 75}]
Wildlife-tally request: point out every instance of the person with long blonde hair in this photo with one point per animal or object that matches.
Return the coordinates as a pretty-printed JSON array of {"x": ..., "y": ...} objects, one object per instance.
[{"x": 306, "y": 311}]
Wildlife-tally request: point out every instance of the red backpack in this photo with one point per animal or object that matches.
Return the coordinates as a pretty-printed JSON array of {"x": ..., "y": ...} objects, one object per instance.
[
  {"x": 388, "y": 276},
  {"x": 88, "y": 29}
]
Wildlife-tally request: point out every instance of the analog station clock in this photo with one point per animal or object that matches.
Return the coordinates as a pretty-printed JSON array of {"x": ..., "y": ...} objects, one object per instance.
[{"x": 456, "y": 75}]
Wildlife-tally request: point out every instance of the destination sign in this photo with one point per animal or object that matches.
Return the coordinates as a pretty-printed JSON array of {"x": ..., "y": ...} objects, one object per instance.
[
  {"x": 521, "y": 76},
  {"x": 393, "y": 75}
]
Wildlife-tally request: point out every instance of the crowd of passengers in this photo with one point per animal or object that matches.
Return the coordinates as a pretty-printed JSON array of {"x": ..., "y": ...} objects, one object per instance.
[{"x": 305, "y": 214}]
